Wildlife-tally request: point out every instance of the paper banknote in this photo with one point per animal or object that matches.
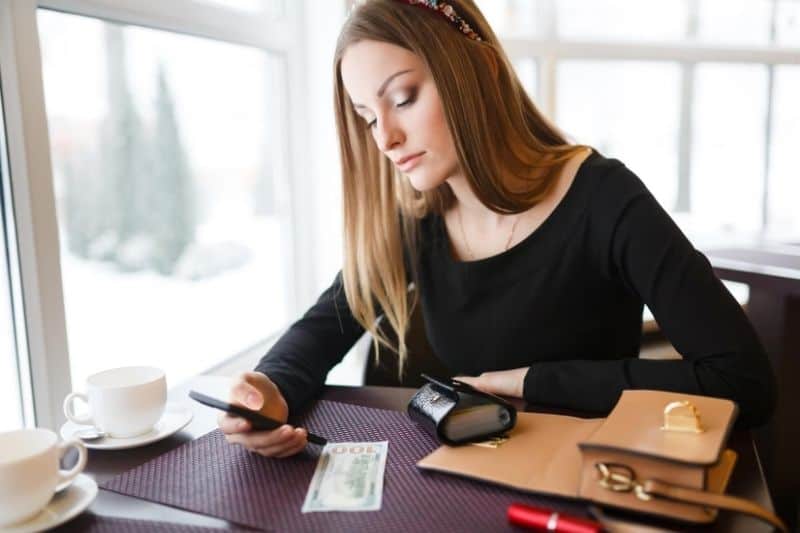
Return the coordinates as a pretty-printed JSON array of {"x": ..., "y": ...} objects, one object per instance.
[{"x": 348, "y": 477}]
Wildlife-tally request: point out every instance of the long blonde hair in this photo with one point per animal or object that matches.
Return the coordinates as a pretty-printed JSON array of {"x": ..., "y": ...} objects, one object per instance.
[{"x": 509, "y": 152}]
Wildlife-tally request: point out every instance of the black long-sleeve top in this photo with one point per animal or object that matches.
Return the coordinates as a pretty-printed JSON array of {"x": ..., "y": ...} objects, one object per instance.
[{"x": 567, "y": 302}]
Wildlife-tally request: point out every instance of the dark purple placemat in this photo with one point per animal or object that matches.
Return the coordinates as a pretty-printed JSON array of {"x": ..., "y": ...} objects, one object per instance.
[
  {"x": 212, "y": 477},
  {"x": 92, "y": 523}
]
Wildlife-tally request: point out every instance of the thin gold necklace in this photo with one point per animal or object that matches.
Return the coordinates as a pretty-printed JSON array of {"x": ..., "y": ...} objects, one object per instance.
[{"x": 466, "y": 242}]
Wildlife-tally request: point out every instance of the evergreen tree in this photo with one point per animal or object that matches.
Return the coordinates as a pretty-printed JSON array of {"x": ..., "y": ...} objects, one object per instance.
[
  {"x": 172, "y": 211},
  {"x": 80, "y": 203},
  {"x": 124, "y": 150},
  {"x": 99, "y": 213}
]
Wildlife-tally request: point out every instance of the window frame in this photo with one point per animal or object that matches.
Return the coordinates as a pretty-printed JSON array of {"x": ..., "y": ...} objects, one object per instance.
[
  {"x": 43, "y": 356},
  {"x": 549, "y": 49}
]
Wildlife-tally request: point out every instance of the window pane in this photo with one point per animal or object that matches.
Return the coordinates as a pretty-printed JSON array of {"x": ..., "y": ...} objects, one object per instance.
[
  {"x": 784, "y": 181},
  {"x": 515, "y": 18},
  {"x": 270, "y": 8},
  {"x": 528, "y": 73},
  {"x": 629, "y": 110},
  {"x": 622, "y": 20},
  {"x": 10, "y": 398},
  {"x": 727, "y": 170},
  {"x": 166, "y": 161},
  {"x": 787, "y": 23},
  {"x": 738, "y": 22}
]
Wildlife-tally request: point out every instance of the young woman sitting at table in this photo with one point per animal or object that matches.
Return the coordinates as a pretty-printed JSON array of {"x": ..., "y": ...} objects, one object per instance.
[{"x": 532, "y": 257}]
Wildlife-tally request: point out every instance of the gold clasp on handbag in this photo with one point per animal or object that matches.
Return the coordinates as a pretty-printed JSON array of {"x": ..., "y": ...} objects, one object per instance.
[
  {"x": 494, "y": 442},
  {"x": 620, "y": 478},
  {"x": 682, "y": 416}
]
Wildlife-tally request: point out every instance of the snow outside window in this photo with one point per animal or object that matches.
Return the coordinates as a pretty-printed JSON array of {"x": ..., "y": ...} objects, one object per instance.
[{"x": 170, "y": 194}]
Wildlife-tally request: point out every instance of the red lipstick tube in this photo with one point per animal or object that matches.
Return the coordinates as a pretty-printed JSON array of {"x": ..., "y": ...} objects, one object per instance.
[{"x": 541, "y": 519}]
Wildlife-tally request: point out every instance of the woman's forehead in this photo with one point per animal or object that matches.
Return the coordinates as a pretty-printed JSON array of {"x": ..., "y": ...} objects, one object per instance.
[{"x": 366, "y": 65}]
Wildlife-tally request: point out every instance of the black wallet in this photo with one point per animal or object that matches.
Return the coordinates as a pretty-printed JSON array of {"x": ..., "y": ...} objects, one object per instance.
[{"x": 455, "y": 412}]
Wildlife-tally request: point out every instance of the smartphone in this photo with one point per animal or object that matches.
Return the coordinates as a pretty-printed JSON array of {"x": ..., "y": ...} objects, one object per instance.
[{"x": 258, "y": 421}]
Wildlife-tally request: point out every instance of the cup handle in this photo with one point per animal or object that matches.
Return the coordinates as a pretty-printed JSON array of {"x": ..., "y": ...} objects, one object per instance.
[
  {"x": 65, "y": 476},
  {"x": 69, "y": 412}
]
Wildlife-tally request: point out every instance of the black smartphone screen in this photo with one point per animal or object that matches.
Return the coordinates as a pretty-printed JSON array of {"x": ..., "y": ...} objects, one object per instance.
[{"x": 259, "y": 421}]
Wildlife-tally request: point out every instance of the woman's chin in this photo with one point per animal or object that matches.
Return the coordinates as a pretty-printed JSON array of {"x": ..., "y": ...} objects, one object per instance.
[{"x": 423, "y": 182}]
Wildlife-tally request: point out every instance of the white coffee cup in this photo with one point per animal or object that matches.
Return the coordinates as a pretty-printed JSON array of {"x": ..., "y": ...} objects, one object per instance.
[
  {"x": 30, "y": 473},
  {"x": 123, "y": 402}
]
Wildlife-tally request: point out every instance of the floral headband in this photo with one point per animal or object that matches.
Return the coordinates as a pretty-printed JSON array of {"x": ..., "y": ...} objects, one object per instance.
[{"x": 447, "y": 11}]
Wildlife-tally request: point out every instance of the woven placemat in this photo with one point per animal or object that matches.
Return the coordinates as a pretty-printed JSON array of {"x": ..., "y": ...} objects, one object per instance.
[
  {"x": 92, "y": 523},
  {"x": 212, "y": 477}
]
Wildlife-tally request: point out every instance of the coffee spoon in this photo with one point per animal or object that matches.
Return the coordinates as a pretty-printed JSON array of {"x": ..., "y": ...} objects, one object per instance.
[{"x": 90, "y": 434}]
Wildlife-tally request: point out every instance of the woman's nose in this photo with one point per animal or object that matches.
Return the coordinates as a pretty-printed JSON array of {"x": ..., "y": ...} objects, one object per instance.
[{"x": 388, "y": 135}]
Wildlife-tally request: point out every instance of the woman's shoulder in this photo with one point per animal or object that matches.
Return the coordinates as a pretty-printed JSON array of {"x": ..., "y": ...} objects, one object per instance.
[{"x": 611, "y": 184}]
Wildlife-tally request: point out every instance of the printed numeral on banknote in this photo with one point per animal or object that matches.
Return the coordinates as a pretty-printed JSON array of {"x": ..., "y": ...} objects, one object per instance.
[{"x": 348, "y": 477}]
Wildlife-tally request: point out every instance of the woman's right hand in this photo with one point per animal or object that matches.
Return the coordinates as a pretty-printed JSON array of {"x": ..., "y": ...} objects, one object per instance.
[{"x": 256, "y": 391}]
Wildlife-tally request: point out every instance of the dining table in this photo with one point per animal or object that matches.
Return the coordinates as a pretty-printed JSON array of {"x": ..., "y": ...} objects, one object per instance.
[{"x": 747, "y": 481}]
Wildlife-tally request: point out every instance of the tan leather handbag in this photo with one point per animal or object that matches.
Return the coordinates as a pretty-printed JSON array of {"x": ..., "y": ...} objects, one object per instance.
[{"x": 658, "y": 453}]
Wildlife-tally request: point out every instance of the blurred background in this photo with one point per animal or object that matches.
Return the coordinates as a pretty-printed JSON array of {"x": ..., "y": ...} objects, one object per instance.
[
  {"x": 181, "y": 168},
  {"x": 171, "y": 177},
  {"x": 171, "y": 163}
]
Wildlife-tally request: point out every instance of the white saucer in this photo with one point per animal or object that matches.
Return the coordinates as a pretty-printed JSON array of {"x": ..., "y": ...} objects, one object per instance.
[
  {"x": 64, "y": 506},
  {"x": 174, "y": 419}
]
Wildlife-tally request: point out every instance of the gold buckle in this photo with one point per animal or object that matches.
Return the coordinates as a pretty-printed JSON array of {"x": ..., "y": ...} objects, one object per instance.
[
  {"x": 620, "y": 478},
  {"x": 494, "y": 442},
  {"x": 682, "y": 416}
]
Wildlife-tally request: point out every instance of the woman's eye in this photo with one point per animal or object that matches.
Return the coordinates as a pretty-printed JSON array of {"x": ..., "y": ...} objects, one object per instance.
[{"x": 407, "y": 101}]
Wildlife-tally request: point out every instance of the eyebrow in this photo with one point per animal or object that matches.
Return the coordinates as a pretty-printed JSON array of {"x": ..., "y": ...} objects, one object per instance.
[{"x": 383, "y": 86}]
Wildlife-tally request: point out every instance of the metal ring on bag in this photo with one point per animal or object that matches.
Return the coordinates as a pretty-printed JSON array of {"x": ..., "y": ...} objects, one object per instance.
[{"x": 620, "y": 478}]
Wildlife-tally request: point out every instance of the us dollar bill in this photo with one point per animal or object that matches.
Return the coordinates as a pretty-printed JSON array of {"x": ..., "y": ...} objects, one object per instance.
[{"x": 348, "y": 477}]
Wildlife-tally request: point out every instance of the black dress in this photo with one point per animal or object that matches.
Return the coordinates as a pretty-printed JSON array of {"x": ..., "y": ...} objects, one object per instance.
[{"x": 567, "y": 302}]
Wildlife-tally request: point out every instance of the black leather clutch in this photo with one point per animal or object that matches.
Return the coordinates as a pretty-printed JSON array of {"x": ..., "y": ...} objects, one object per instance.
[{"x": 456, "y": 413}]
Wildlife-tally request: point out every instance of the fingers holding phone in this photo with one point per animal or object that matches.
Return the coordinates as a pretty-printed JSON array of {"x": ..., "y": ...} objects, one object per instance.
[
  {"x": 257, "y": 392},
  {"x": 281, "y": 442}
]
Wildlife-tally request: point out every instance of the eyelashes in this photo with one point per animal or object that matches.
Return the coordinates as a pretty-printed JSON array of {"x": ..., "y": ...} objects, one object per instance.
[{"x": 407, "y": 102}]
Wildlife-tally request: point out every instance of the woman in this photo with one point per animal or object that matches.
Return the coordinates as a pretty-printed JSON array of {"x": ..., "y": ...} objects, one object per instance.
[{"x": 532, "y": 256}]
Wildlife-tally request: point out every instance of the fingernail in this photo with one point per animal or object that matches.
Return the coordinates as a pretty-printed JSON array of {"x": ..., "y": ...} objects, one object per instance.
[
  {"x": 241, "y": 425},
  {"x": 252, "y": 401}
]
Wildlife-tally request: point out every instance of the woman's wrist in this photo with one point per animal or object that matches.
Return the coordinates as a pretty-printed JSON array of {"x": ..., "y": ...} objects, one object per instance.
[
  {"x": 502, "y": 382},
  {"x": 528, "y": 387}
]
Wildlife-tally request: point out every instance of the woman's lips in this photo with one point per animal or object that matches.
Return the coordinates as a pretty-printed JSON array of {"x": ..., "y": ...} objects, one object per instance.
[{"x": 410, "y": 162}]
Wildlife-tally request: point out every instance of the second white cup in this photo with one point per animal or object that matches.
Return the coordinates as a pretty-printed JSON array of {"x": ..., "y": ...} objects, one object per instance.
[
  {"x": 30, "y": 473},
  {"x": 124, "y": 402}
]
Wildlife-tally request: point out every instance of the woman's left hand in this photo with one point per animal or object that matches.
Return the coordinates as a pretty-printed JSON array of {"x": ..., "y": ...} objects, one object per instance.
[{"x": 502, "y": 382}]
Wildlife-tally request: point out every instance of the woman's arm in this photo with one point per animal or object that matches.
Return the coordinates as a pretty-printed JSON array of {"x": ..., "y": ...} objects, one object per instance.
[
  {"x": 300, "y": 360},
  {"x": 640, "y": 246}
]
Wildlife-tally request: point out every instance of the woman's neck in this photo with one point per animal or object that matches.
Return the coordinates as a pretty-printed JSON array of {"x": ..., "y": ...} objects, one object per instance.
[{"x": 470, "y": 206}]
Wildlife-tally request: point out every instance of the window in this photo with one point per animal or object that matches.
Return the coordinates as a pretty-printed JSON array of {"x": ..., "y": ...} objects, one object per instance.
[
  {"x": 163, "y": 193},
  {"x": 273, "y": 9},
  {"x": 11, "y": 414},
  {"x": 632, "y": 115},
  {"x": 528, "y": 71},
  {"x": 695, "y": 96},
  {"x": 728, "y": 146},
  {"x": 784, "y": 182},
  {"x": 621, "y": 20},
  {"x": 168, "y": 177}
]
